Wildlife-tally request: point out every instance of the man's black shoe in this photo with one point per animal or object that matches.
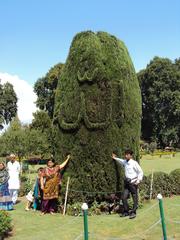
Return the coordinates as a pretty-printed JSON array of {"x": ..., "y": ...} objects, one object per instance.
[
  {"x": 125, "y": 214},
  {"x": 132, "y": 215}
]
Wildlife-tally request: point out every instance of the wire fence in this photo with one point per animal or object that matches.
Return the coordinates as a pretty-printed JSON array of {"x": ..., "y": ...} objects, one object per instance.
[
  {"x": 148, "y": 229},
  {"x": 135, "y": 236},
  {"x": 94, "y": 193}
]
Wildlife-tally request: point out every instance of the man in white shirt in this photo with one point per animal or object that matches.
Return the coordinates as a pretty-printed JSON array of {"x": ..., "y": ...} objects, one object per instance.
[
  {"x": 133, "y": 176},
  {"x": 13, "y": 167}
]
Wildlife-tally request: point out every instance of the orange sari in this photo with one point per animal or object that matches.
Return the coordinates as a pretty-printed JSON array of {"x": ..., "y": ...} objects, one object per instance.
[{"x": 52, "y": 180}]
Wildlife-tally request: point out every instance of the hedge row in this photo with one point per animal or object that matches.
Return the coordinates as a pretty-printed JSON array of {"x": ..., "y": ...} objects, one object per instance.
[{"x": 166, "y": 184}]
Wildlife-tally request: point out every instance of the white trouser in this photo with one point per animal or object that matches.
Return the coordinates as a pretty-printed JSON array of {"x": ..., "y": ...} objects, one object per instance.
[{"x": 14, "y": 195}]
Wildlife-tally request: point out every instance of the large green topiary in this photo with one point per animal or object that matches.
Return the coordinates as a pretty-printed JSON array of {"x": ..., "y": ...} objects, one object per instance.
[{"x": 97, "y": 111}]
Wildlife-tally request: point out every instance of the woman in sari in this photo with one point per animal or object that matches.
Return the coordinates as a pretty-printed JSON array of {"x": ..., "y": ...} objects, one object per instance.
[
  {"x": 5, "y": 199},
  {"x": 50, "y": 181}
]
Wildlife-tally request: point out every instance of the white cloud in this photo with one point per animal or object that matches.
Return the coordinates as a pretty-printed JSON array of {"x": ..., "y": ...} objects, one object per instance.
[{"x": 25, "y": 94}]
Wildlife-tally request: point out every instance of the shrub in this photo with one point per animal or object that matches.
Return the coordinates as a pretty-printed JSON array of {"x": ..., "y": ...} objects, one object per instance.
[
  {"x": 23, "y": 178},
  {"x": 152, "y": 147},
  {"x": 5, "y": 223},
  {"x": 161, "y": 184},
  {"x": 175, "y": 181},
  {"x": 97, "y": 111},
  {"x": 74, "y": 209},
  {"x": 26, "y": 185},
  {"x": 144, "y": 188},
  {"x": 95, "y": 208}
]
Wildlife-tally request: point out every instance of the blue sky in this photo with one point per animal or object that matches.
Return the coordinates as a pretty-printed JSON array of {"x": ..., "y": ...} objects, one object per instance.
[{"x": 35, "y": 35}]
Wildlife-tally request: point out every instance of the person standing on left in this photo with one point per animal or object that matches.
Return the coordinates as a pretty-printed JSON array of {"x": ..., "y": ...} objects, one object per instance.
[
  {"x": 5, "y": 199},
  {"x": 14, "y": 168}
]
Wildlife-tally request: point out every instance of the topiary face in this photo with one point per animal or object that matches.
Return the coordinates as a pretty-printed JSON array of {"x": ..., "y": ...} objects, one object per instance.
[
  {"x": 97, "y": 110},
  {"x": 87, "y": 57},
  {"x": 89, "y": 80}
]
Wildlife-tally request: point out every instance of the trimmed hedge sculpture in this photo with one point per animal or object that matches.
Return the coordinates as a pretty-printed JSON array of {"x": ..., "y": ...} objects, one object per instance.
[{"x": 97, "y": 111}]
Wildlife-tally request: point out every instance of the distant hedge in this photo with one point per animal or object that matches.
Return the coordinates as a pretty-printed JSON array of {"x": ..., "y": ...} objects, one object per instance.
[
  {"x": 175, "y": 181},
  {"x": 166, "y": 184}
]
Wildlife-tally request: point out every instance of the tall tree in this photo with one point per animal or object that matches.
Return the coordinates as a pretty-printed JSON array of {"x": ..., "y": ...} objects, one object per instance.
[
  {"x": 160, "y": 87},
  {"x": 14, "y": 139},
  {"x": 24, "y": 141},
  {"x": 43, "y": 124},
  {"x": 97, "y": 110},
  {"x": 8, "y": 103},
  {"x": 41, "y": 121},
  {"x": 45, "y": 88}
]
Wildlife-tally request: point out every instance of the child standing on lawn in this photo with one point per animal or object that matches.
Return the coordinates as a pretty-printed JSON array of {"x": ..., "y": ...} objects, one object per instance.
[{"x": 35, "y": 197}]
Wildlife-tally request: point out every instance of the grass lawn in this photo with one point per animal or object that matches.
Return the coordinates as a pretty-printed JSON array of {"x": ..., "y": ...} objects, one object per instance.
[
  {"x": 155, "y": 163},
  {"x": 32, "y": 226}
]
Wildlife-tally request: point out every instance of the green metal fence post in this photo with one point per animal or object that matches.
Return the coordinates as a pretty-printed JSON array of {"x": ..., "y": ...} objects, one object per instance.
[
  {"x": 159, "y": 197},
  {"x": 85, "y": 214}
]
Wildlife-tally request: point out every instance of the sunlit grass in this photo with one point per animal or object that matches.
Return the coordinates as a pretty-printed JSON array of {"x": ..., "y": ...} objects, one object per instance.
[
  {"x": 156, "y": 163},
  {"x": 32, "y": 226}
]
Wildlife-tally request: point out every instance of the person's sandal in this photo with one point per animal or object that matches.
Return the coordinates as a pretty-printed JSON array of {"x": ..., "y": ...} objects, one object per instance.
[
  {"x": 125, "y": 214},
  {"x": 42, "y": 213},
  {"x": 132, "y": 215}
]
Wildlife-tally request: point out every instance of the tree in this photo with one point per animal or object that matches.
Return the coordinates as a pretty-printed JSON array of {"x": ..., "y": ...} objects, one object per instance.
[
  {"x": 97, "y": 110},
  {"x": 45, "y": 88},
  {"x": 160, "y": 86},
  {"x": 37, "y": 143},
  {"x": 13, "y": 140},
  {"x": 24, "y": 141},
  {"x": 42, "y": 123},
  {"x": 8, "y": 103}
]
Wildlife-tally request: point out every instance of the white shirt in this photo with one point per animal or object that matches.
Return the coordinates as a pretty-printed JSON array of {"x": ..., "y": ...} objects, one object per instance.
[
  {"x": 14, "y": 170},
  {"x": 132, "y": 168}
]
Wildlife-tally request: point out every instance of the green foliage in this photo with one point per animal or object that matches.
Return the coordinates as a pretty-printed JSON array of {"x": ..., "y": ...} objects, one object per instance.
[
  {"x": 161, "y": 184},
  {"x": 24, "y": 141},
  {"x": 166, "y": 184},
  {"x": 8, "y": 103},
  {"x": 13, "y": 139},
  {"x": 45, "y": 89},
  {"x": 96, "y": 208},
  {"x": 74, "y": 209},
  {"x": 97, "y": 111},
  {"x": 160, "y": 86},
  {"x": 5, "y": 223},
  {"x": 41, "y": 121},
  {"x": 144, "y": 188},
  {"x": 37, "y": 143},
  {"x": 152, "y": 147},
  {"x": 175, "y": 179},
  {"x": 26, "y": 185}
]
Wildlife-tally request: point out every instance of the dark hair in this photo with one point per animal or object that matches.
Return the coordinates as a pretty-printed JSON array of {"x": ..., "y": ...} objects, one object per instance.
[
  {"x": 40, "y": 169},
  {"x": 51, "y": 159},
  {"x": 129, "y": 151}
]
